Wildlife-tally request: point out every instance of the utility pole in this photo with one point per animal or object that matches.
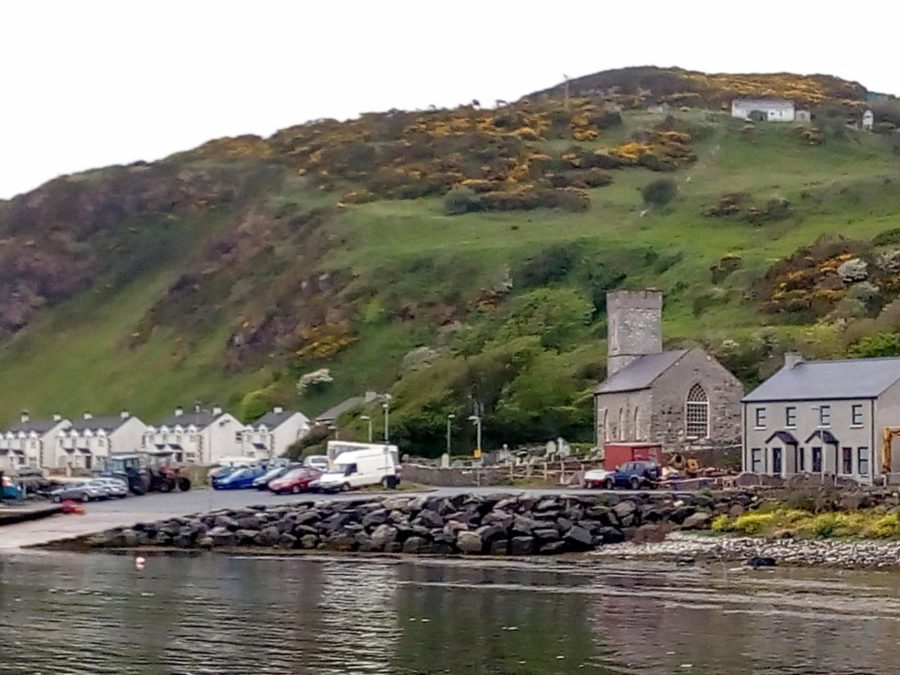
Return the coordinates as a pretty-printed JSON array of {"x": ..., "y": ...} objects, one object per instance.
[
  {"x": 476, "y": 418},
  {"x": 566, "y": 90}
]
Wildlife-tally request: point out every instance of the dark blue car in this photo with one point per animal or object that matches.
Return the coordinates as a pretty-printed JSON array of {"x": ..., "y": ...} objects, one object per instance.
[
  {"x": 238, "y": 480},
  {"x": 635, "y": 475}
]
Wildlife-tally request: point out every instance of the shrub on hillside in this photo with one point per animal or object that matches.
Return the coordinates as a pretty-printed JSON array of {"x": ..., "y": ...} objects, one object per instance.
[
  {"x": 659, "y": 192},
  {"x": 462, "y": 200},
  {"x": 882, "y": 344}
]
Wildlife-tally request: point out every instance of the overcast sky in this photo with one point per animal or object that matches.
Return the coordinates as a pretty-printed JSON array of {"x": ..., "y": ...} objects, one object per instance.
[{"x": 91, "y": 83}]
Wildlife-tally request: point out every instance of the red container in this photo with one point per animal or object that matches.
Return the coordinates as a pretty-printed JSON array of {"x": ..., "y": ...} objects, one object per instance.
[{"x": 616, "y": 454}]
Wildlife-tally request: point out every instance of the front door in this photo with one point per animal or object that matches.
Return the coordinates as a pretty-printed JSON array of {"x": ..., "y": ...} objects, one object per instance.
[
  {"x": 817, "y": 460},
  {"x": 776, "y": 461}
]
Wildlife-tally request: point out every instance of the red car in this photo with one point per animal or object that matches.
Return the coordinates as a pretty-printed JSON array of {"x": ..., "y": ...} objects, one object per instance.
[{"x": 295, "y": 480}]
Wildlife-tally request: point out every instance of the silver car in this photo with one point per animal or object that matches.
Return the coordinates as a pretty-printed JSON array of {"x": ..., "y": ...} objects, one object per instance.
[
  {"x": 319, "y": 462},
  {"x": 112, "y": 486},
  {"x": 81, "y": 491}
]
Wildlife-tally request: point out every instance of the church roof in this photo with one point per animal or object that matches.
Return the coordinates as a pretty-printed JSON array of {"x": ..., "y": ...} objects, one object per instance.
[{"x": 640, "y": 373}]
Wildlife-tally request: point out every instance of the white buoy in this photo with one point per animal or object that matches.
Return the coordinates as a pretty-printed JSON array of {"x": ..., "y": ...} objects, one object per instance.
[{"x": 139, "y": 563}]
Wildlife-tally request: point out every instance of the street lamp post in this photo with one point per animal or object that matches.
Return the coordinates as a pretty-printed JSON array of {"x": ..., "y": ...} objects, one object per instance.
[
  {"x": 449, "y": 422},
  {"x": 386, "y": 406},
  {"x": 369, "y": 420},
  {"x": 477, "y": 420},
  {"x": 333, "y": 427}
]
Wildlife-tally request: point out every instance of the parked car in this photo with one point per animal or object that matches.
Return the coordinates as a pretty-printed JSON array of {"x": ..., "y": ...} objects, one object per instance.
[
  {"x": 295, "y": 480},
  {"x": 319, "y": 462},
  {"x": 112, "y": 486},
  {"x": 359, "y": 468},
  {"x": 274, "y": 472},
  {"x": 9, "y": 490},
  {"x": 634, "y": 475},
  {"x": 81, "y": 491},
  {"x": 238, "y": 480},
  {"x": 598, "y": 478}
]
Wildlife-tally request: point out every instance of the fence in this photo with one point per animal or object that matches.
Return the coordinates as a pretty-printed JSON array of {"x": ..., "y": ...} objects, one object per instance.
[{"x": 558, "y": 472}]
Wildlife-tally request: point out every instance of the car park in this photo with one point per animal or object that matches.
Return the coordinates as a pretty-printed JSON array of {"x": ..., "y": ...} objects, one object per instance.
[
  {"x": 81, "y": 491},
  {"x": 274, "y": 472},
  {"x": 239, "y": 480},
  {"x": 319, "y": 462},
  {"x": 298, "y": 479},
  {"x": 113, "y": 487}
]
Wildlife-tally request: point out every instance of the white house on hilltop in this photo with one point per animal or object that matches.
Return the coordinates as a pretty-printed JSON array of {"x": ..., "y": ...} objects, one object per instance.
[
  {"x": 774, "y": 110},
  {"x": 272, "y": 434},
  {"x": 29, "y": 442},
  {"x": 198, "y": 437},
  {"x": 88, "y": 442}
]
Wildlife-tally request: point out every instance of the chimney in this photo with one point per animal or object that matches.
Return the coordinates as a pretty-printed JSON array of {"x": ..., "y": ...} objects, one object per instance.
[
  {"x": 634, "y": 327},
  {"x": 179, "y": 412},
  {"x": 125, "y": 414},
  {"x": 88, "y": 416},
  {"x": 792, "y": 359},
  {"x": 277, "y": 410},
  {"x": 216, "y": 410},
  {"x": 25, "y": 416},
  {"x": 196, "y": 406}
]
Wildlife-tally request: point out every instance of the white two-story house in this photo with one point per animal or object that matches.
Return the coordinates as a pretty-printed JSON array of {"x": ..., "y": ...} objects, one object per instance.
[
  {"x": 196, "y": 437},
  {"x": 273, "y": 433},
  {"x": 825, "y": 417},
  {"x": 29, "y": 442},
  {"x": 89, "y": 441}
]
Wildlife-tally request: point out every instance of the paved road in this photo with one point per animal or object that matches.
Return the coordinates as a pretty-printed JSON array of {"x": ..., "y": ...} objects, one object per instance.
[{"x": 122, "y": 512}]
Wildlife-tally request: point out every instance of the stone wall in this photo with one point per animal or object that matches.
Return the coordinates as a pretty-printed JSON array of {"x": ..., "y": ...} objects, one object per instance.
[
  {"x": 449, "y": 477},
  {"x": 462, "y": 524}
]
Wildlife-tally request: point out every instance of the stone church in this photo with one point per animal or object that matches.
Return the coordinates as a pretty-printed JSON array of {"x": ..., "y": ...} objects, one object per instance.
[{"x": 682, "y": 399}]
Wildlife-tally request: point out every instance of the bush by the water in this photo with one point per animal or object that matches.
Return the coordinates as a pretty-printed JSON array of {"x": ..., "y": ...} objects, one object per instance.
[
  {"x": 659, "y": 192},
  {"x": 863, "y": 524}
]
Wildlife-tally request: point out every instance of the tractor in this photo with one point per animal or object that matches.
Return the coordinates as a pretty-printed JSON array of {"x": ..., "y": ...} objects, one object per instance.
[{"x": 148, "y": 472}]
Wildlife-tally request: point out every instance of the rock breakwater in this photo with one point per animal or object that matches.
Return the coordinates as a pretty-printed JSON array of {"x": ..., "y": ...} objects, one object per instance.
[{"x": 462, "y": 524}]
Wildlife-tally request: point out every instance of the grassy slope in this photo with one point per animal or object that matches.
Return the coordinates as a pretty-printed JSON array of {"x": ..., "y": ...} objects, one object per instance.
[{"x": 75, "y": 357}]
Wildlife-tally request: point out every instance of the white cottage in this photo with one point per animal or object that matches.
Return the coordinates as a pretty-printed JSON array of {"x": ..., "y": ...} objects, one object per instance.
[
  {"x": 273, "y": 433},
  {"x": 30, "y": 442},
  {"x": 772, "y": 110},
  {"x": 198, "y": 437},
  {"x": 88, "y": 442}
]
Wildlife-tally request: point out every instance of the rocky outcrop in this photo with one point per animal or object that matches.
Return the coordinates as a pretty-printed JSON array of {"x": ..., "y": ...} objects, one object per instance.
[{"x": 463, "y": 524}]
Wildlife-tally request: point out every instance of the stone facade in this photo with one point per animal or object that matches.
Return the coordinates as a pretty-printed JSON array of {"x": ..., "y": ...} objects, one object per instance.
[{"x": 681, "y": 399}]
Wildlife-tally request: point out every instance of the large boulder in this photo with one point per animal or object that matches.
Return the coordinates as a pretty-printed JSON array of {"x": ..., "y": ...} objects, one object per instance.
[
  {"x": 429, "y": 519},
  {"x": 225, "y": 522},
  {"x": 489, "y": 533},
  {"x": 286, "y": 541},
  {"x": 499, "y": 547},
  {"x": 551, "y": 547},
  {"x": 697, "y": 521},
  {"x": 469, "y": 542},
  {"x": 221, "y": 536},
  {"x": 579, "y": 539},
  {"x": 382, "y": 536},
  {"x": 610, "y": 535},
  {"x": 267, "y": 536},
  {"x": 521, "y": 546},
  {"x": 416, "y": 545},
  {"x": 375, "y": 518}
]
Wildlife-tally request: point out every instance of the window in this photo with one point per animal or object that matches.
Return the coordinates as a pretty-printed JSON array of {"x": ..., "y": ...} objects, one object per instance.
[
  {"x": 776, "y": 461},
  {"x": 817, "y": 460},
  {"x": 824, "y": 415},
  {"x": 756, "y": 460},
  {"x": 237, "y": 436},
  {"x": 760, "y": 418},
  {"x": 790, "y": 416},
  {"x": 862, "y": 461},
  {"x": 801, "y": 460},
  {"x": 856, "y": 415},
  {"x": 696, "y": 413},
  {"x": 846, "y": 460}
]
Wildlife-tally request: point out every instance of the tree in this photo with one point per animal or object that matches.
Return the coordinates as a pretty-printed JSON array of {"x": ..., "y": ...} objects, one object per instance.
[
  {"x": 659, "y": 192},
  {"x": 882, "y": 344}
]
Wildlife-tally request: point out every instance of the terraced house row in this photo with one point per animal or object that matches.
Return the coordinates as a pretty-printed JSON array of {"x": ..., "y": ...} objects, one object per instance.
[{"x": 196, "y": 436}]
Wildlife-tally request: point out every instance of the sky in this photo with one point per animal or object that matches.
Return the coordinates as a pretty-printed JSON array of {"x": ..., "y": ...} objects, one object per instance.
[{"x": 97, "y": 82}]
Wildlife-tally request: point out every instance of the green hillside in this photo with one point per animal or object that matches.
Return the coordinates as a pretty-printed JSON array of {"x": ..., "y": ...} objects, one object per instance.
[{"x": 226, "y": 273}]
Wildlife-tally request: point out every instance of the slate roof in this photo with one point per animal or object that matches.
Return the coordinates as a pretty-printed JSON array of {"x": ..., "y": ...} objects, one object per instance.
[
  {"x": 640, "y": 373},
  {"x": 108, "y": 424},
  {"x": 338, "y": 410},
  {"x": 272, "y": 420},
  {"x": 823, "y": 380},
  {"x": 201, "y": 419},
  {"x": 764, "y": 103},
  {"x": 38, "y": 426}
]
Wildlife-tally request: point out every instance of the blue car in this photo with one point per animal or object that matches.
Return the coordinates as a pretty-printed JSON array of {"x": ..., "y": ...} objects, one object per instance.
[
  {"x": 634, "y": 475},
  {"x": 238, "y": 480}
]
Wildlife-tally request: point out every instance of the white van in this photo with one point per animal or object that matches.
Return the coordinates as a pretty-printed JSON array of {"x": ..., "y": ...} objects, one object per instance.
[{"x": 359, "y": 468}]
